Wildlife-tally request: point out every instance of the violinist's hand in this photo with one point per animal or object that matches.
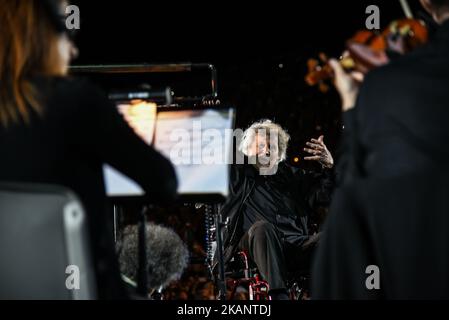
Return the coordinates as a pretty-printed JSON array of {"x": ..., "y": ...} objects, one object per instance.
[
  {"x": 347, "y": 84},
  {"x": 319, "y": 152}
]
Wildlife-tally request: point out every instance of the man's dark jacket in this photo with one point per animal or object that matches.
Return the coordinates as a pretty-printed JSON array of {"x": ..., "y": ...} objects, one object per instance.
[{"x": 309, "y": 189}]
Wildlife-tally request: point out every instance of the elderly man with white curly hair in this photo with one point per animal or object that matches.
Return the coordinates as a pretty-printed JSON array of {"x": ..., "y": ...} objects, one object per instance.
[{"x": 270, "y": 203}]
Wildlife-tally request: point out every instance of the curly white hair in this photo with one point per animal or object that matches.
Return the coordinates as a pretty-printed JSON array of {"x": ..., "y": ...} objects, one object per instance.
[{"x": 269, "y": 127}]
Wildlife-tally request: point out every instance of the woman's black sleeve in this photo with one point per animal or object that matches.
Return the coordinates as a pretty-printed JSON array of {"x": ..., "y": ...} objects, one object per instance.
[{"x": 121, "y": 148}]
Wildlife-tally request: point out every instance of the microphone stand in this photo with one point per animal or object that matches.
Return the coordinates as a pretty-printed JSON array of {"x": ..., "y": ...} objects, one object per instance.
[{"x": 142, "y": 275}]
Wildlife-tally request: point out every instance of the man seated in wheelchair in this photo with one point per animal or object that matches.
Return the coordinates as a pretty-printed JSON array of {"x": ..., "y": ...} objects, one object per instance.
[{"x": 270, "y": 203}]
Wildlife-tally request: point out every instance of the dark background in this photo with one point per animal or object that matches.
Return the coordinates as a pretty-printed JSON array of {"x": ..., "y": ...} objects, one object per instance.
[
  {"x": 260, "y": 51},
  {"x": 259, "y": 48}
]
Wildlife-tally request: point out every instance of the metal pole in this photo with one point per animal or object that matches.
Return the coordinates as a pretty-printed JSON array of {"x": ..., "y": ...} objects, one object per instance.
[
  {"x": 221, "y": 270},
  {"x": 142, "y": 252}
]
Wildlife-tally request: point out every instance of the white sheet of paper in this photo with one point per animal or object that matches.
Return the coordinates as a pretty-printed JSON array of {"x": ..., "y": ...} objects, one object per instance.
[{"x": 198, "y": 142}]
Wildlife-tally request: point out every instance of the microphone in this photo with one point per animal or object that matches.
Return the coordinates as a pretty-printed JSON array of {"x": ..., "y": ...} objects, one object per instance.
[
  {"x": 167, "y": 255},
  {"x": 162, "y": 96}
]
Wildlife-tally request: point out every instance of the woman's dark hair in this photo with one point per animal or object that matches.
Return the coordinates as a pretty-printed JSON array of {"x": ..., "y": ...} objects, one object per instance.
[{"x": 28, "y": 47}]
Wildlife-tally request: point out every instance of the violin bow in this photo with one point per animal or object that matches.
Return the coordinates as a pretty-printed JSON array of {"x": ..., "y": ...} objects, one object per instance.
[{"x": 406, "y": 8}]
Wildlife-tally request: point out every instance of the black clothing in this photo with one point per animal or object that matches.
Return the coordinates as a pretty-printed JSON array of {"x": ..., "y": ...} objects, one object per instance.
[
  {"x": 300, "y": 191},
  {"x": 264, "y": 244},
  {"x": 386, "y": 223},
  {"x": 273, "y": 255},
  {"x": 392, "y": 208},
  {"x": 272, "y": 200},
  {"x": 78, "y": 132}
]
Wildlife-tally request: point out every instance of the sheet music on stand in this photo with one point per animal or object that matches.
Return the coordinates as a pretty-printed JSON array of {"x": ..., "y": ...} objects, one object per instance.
[{"x": 198, "y": 142}]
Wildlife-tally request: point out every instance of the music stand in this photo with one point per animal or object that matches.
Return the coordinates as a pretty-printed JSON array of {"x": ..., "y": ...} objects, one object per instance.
[{"x": 166, "y": 95}]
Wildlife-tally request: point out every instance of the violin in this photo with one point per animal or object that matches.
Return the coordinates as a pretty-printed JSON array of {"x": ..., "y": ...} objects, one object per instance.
[{"x": 367, "y": 50}]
